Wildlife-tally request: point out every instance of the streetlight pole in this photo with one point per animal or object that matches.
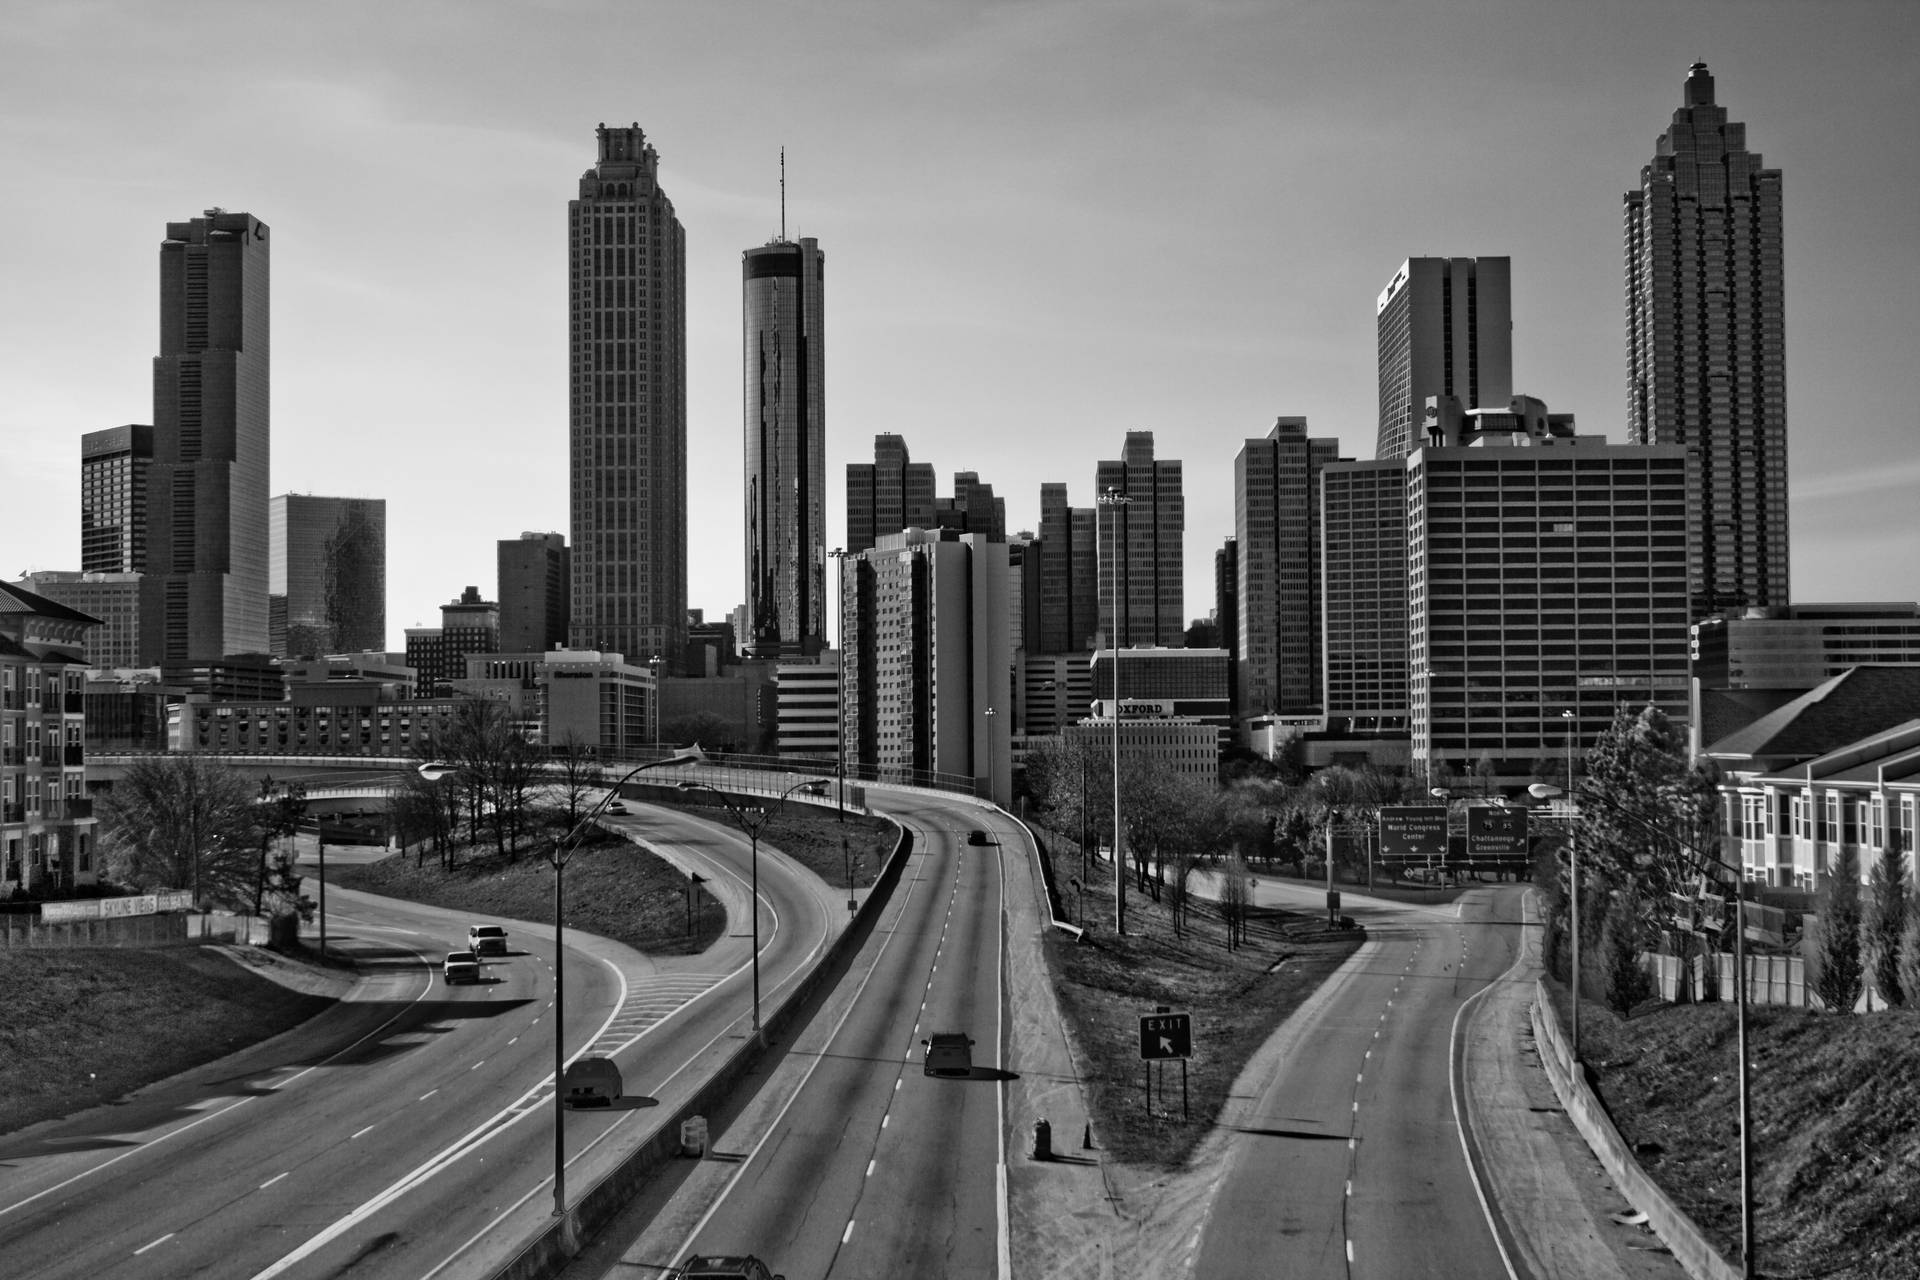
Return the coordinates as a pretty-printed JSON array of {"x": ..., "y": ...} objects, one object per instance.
[
  {"x": 1114, "y": 499},
  {"x": 752, "y": 826},
  {"x": 654, "y": 662},
  {"x": 839, "y": 555},
  {"x": 992, "y": 791},
  {"x": 557, "y": 859}
]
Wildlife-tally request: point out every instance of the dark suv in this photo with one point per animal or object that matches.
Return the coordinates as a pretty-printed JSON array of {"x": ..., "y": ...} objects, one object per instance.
[{"x": 724, "y": 1267}]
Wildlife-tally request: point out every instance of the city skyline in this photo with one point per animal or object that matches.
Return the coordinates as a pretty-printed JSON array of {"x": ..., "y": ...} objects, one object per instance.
[{"x": 1250, "y": 165}]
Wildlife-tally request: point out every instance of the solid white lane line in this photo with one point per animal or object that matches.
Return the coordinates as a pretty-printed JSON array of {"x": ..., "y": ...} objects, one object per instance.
[
  {"x": 162, "y": 1240},
  {"x": 275, "y": 1178}
]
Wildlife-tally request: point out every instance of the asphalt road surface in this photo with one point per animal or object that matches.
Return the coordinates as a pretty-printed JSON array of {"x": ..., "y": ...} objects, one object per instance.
[
  {"x": 1350, "y": 1164},
  {"x": 854, "y": 1162},
  {"x": 407, "y": 1132}
]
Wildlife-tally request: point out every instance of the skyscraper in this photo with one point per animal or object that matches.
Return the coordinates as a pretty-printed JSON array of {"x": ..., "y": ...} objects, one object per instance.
[
  {"x": 114, "y": 472},
  {"x": 785, "y": 443},
  {"x": 327, "y": 575},
  {"x": 1706, "y": 345},
  {"x": 1151, "y": 523},
  {"x": 533, "y": 574},
  {"x": 627, "y": 423},
  {"x": 889, "y": 494},
  {"x": 1445, "y": 328},
  {"x": 207, "y": 500},
  {"x": 1069, "y": 575},
  {"x": 1276, "y": 508}
]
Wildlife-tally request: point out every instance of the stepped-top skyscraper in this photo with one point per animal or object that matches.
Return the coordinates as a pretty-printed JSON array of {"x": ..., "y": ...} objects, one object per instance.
[
  {"x": 1142, "y": 507},
  {"x": 1706, "y": 345},
  {"x": 1445, "y": 328},
  {"x": 785, "y": 445},
  {"x": 628, "y": 406},
  {"x": 207, "y": 489}
]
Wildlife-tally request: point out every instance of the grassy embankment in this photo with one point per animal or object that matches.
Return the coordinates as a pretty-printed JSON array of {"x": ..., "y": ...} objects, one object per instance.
[
  {"x": 1835, "y": 1106},
  {"x": 1236, "y": 997}
]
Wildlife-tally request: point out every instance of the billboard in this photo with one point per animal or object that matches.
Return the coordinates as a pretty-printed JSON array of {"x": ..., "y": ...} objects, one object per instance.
[
  {"x": 1413, "y": 832},
  {"x": 1493, "y": 832}
]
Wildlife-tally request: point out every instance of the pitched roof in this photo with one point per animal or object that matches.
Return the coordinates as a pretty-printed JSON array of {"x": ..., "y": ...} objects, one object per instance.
[
  {"x": 15, "y": 598},
  {"x": 1855, "y": 704}
]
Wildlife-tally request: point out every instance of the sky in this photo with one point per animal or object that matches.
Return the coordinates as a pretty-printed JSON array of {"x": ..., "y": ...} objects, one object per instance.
[{"x": 1046, "y": 224}]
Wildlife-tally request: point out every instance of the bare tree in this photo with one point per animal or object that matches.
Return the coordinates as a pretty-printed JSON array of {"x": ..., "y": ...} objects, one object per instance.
[
  {"x": 578, "y": 774},
  {"x": 1236, "y": 895},
  {"x": 185, "y": 822}
]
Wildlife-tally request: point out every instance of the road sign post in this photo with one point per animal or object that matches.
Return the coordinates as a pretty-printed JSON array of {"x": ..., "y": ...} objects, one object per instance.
[{"x": 1166, "y": 1035}]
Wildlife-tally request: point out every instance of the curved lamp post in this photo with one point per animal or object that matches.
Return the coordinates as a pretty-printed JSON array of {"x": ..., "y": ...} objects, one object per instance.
[
  {"x": 1707, "y": 864},
  {"x": 557, "y": 857},
  {"x": 753, "y": 825}
]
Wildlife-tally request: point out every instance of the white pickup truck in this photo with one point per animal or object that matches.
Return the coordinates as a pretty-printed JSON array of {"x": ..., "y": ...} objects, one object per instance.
[{"x": 487, "y": 939}]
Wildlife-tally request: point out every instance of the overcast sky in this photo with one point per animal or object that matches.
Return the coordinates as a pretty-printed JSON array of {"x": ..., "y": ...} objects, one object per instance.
[{"x": 1046, "y": 224}]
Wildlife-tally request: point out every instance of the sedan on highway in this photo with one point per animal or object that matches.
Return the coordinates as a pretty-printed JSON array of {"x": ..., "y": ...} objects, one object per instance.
[{"x": 460, "y": 966}]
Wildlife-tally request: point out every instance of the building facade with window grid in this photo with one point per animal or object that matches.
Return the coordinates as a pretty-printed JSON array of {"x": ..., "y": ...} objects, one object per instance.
[
  {"x": 46, "y": 819},
  {"x": 1706, "y": 344},
  {"x": 1144, "y": 575},
  {"x": 1542, "y": 576},
  {"x": 1277, "y": 535},
  {"x": 1444, "y": 328},
  {"x": 1364, "y": 597},
  {"x": 115, "y": 466},
  {"x": 627, "y": 405}
]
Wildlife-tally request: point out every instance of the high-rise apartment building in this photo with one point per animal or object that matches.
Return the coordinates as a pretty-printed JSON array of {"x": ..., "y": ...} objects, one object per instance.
[
  {"x": 1706, "y": 345},
  {"x": 326, "y": 575},
  {"x": 1363, "y": 575},
  {"x": 927, "y": 693},
  {"x": 1149, "y": 519},
  {"x": 46, "y": 818},
  {"x": 207, "y": 498},
  {"x": 115, "y": 467},
  {"x": 1276, "y": 511},
  {"x": 627, "y": 420},
  {"x": 889, "y": 494},
  {"x": 1546, "y": 573},
  {"x": 1445, "y": 328},
  {"x": 532, "y": 589},
  {"x": 784, "y": 334}
]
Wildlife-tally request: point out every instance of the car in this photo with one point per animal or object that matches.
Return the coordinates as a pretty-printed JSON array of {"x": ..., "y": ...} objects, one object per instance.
[
  {"x": 487, "y": 940},
  {"x": 616, "y": 807},
  {"x": 977, "y": 836},
  {"x": 818, "y": 787},
  {"x": 590, "y": 1082},
  {"x": 460, "y": 966},
  {"x": 720, "y": 1266},
  {"x": 949, "y": 1053}
]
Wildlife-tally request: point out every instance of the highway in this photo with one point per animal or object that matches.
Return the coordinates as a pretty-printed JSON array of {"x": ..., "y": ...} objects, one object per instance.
[
  {"x": 1349, "y": 1162},
  {"x": 855, "y": 1163},
  {"x": 404, "y": 1133}
]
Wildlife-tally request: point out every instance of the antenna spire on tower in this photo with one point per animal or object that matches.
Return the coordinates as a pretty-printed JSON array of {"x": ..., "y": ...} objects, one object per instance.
[{"x": 783, "y": 193}]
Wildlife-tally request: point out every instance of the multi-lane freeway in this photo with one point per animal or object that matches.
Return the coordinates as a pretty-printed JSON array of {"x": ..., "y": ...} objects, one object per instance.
[{"x": 406, "y": 1132}]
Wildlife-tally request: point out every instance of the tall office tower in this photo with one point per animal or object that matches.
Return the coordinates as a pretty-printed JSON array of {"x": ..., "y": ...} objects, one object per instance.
[
  {"x": 1517, "y": 611},
  {"x": 1069, "y": 586},
  {"x": 1151, "y": 527},
  {"x": 1445, "y": 328},
  {"x": 1707, "y": 348},
  {"x": 532, "y": 588},
  {"x": 326, "y": 574},
  {"x": 784, "y": 336},
  {"x": 887, "y": 495},
  {"x": 972, "y": 508},
  {"x": 1276, "y": 517},
  {"x": 207, "y": 500},
  {"x": 627, "y": 423},
  {"x": 1363, "y": 588},
  {"x": 114, "y": 471}
]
